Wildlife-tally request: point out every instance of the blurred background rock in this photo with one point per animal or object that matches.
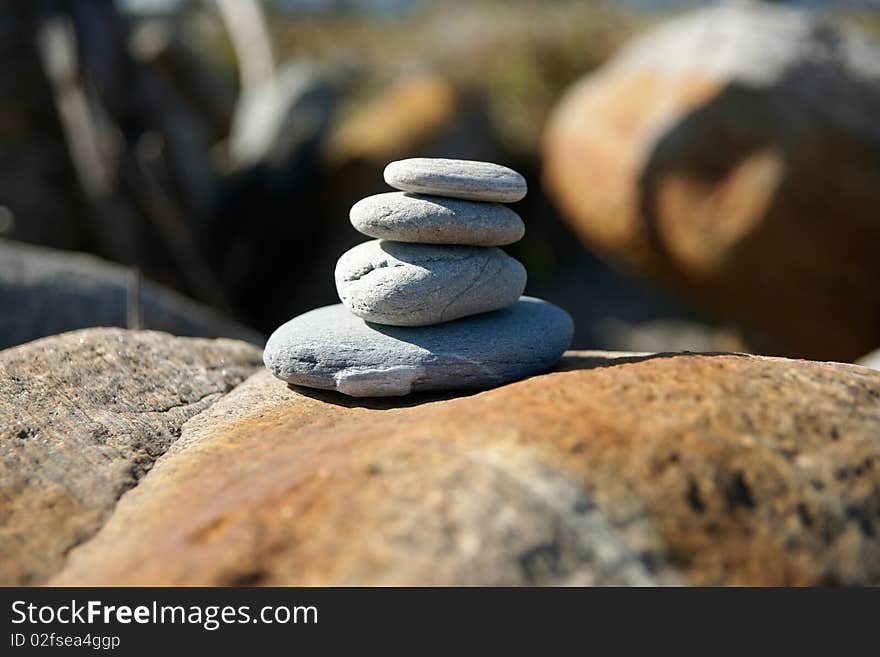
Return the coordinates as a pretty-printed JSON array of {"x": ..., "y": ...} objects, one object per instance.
[{"x": 712, "y": 185}]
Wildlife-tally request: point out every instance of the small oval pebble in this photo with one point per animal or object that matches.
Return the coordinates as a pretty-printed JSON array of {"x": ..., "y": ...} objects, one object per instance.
[
  {"x": 403, "y": 284},
  {"x": 330, "y": 348},
  {"x": 466, "y": 179},
  {"x": 407, "y": 217}
]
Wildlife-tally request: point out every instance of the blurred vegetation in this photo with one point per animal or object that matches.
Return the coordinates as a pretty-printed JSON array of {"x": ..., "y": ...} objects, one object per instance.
[
  {"x": 518, "y": 55},
  {"x": 212, "y": 184}
]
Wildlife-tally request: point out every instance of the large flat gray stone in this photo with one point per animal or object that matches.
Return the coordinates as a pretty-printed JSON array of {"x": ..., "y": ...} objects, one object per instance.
[
  {"x": 331, "y": 349},
  {"x": 407, "y": 217},
  {"x": 402, "y": 284},
  {"x": 467, "y": 179}
]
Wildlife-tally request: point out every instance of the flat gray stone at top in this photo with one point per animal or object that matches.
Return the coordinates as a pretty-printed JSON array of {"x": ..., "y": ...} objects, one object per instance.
[
  {"x": 426, "y": 219},
  {"x": 404, "y": 284},
  {"x": 465, "y": 179},
  {"x": 331, "y": 349}
]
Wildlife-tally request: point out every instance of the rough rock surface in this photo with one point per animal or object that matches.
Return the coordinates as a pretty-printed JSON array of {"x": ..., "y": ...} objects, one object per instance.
[
  {"x": 85, "y": 415},
  {"x": 331, "y": 349},
  {"x": 436, "y": 220},
  {"x": 465, "y": 179},
  {"x": 707, "y": 469},
  {"x": 45, "y": 292},
  {"x": 401, "y": 284},
  {"x": 710, "y": 153}
]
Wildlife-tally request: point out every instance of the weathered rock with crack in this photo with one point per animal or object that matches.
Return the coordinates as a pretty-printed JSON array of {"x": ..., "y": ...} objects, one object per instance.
[
  {"x": 705, "y": 469},
  {"x": 425, "y": 219},
  {"x": 400, "y": 284},
  {"x": 465, "y": 179},
  {"x": 85, "y": 415},
  {"x": 331, "y": 349}
]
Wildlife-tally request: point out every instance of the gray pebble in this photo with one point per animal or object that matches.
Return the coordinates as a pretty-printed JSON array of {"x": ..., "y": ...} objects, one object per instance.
[
  {"x": 403, "y": 284},
  {"x": 406, "y": 217},
  {"x": 467, "y": 179},
  {"x": 330, "y": 348}
]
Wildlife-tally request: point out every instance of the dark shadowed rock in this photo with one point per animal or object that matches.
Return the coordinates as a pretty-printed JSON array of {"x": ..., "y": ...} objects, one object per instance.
[
  {"x": 85, "y": 414},
  {"x": 618, "y": 469},
  {"x": 44, "y": 292}
]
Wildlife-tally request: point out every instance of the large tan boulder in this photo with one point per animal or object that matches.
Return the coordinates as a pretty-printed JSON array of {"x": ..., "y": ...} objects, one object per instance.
[
  {"x": 735, "y": 154},
  {"x": 651, "y": 469},
  {"x": 84, "y": 416}
]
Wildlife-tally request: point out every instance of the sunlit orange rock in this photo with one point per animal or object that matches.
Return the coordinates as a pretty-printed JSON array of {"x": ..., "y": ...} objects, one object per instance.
[
  {"x": 618, "y": 469},
  {"x": 735, "y": 154}
]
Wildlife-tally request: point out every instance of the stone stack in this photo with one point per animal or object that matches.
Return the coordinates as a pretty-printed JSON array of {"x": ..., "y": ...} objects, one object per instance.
[{"x": 432, "y": 303}]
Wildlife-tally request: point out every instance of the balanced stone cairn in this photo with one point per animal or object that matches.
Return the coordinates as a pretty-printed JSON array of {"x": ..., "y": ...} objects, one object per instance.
[{"x": 432, "y": 303}]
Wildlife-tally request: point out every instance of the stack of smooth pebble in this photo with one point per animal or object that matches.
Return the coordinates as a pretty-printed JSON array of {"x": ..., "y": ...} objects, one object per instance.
[{"x": 433, "y": 303}]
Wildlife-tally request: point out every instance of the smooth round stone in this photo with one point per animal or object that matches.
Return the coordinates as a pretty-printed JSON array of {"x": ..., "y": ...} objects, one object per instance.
[
  {"x": 331, "y": 349},
  {"x": 407, "y": 217},
  {"x": 403, "y": 284},
  {"x": 467, "y": 179}
]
